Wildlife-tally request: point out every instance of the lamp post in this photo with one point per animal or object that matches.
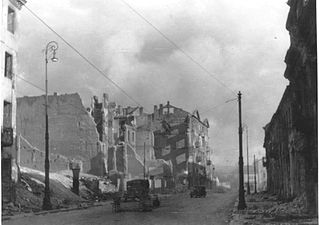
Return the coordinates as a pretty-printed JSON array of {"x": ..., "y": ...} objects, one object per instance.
[
  {"x": 248, "y": 186},
  {"x": 51, "y": 47},
  {"x": 241, "y": 197}
]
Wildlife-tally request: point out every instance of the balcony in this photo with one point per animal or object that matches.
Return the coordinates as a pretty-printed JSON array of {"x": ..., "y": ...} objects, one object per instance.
[{"x": 7, "y": 137}]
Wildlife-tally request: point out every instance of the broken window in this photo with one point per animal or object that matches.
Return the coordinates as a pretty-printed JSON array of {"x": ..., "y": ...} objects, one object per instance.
[
  {"x": 11, "y": 18},
  {"x": 165, "y": 110},
  {"x": 7, "y": 114},
  {"x": 166, "y": 150},
  {"x": 128, "y": 135},
  {"x": 133, "y": 136},
  {"x": 8, "y": 66}
]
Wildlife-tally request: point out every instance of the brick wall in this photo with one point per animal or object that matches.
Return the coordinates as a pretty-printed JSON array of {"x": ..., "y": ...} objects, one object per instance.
[{"x": 72, "y": 131}]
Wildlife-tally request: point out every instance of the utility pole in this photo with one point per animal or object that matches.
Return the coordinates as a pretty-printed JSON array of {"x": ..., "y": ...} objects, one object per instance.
[
  {"x": 51, "y": 47},
  {"x": 248, "y": 186},
  {"x": 241, "y": 203},
  {"x": 255, "y": 175},
  {"x": 144, "y": 162}
]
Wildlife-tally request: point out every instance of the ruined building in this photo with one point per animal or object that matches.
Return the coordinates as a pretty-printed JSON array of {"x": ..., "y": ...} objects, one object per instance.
[
  {"x": 291, "y": 136},
  {"x": 123, "y": 161},
  {"x": 8, "y": 67},
  {"x": 72, "y": 132},
  {"x": 182, "y": 139}
]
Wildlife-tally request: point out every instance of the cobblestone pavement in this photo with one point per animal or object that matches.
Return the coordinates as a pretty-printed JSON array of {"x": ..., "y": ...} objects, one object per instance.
[{"x": 176, "y": 209}]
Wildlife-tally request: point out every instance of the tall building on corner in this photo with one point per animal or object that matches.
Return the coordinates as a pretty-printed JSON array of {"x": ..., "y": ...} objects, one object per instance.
[{"x": 8, "y": 67}]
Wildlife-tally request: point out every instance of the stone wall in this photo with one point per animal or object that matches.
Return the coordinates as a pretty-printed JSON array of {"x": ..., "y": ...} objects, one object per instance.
[
  {"x": 72, "y": 131},
  {"x": 33, "y": 158},
  {"x": 291, "y": 136}
]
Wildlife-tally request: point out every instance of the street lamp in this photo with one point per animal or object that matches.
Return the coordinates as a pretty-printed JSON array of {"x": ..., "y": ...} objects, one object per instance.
[
  {"x": 51, "y": 47},
  {"x": 248, "y": 186}
]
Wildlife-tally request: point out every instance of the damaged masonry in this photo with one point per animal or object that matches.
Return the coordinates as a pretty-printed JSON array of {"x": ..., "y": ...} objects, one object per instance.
[{"x": 142, "y": 135}]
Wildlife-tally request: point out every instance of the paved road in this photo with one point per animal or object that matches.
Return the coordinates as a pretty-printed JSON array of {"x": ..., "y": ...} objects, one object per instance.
[{"x": 177, "y": 209}]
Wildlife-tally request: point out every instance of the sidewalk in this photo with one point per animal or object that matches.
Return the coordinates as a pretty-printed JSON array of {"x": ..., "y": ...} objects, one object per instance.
[
  {"x": 71, "y": 208},
  {"x": 263, "y": 208}
]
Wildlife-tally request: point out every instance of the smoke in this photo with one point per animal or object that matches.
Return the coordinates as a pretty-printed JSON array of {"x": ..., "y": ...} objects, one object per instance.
[{"x": 241, "y": 43}]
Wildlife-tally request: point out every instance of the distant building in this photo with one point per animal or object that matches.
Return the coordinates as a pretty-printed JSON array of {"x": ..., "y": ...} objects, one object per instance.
[
  {"x": 291, "y": 136},
  {"x": 123, "y": 162},
  {"x": 251, "y": 178},
  {"x": 8, "y": 67},
  {"x": 261, "y": 177},
  {"x": 181, "y": 138}
]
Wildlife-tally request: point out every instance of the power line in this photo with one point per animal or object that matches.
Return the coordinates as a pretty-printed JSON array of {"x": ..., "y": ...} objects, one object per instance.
[
  {"x": 177, "y": 47},
  {"x": 32, "y": 84},
  {"x": 82, "y": 56},
  {"x": 36, "y": 86},
  {"x": 219, "y": 105}
]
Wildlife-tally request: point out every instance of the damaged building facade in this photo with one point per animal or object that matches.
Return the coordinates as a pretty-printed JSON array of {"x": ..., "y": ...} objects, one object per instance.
[
  {"x": 73, "y": 133},
  {"x": 117, "y": 130},
  {"x": 8, "y": 67},
  {"x": 181, "y": 138},
  {"x": 291, "y": 136}
]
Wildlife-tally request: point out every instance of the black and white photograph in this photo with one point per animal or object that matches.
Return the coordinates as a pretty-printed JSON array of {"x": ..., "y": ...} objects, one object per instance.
[{"x": 171, "y": 112}]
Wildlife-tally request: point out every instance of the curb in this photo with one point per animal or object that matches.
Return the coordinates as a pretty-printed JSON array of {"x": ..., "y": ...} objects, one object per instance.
[{"x": 95, "y": 204}]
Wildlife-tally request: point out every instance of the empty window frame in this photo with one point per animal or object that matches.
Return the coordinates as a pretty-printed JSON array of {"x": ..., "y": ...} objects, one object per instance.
[
  {"x": 133, "y": 137},
  {"x": 7, "y": 114},
  {"x": 11, "y": 19},
  {"x": 8, "y": 65}
]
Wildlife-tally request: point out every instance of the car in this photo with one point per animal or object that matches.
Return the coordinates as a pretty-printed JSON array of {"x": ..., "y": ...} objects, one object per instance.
[{"x": 198, "y": 192}]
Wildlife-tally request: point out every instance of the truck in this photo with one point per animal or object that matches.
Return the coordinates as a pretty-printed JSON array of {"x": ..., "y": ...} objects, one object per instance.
[{"x": 136, "y": 197}]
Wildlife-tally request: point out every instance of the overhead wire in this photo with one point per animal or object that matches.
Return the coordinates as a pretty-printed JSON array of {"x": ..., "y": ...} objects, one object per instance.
[
  {"x": 41, "y": 89},
  {"x": 109, "y": 79},
  {"x": 177, "y": 46},
  {"x": 82, "y": 56}
]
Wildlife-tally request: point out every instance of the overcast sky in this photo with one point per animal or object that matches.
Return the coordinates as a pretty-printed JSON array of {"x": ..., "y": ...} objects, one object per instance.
[{"x": 241, "y": 43}]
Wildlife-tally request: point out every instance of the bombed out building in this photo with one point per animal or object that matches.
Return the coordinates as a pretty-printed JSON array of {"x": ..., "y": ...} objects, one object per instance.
[
  {"x": 291, "y": 136},
  {"x": 72, "y": 132},
  {"x": 9, "y": 31},
  {"x": 181, "y": 138}
]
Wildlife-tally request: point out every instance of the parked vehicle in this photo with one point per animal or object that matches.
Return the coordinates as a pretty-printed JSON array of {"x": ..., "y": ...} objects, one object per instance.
[
  {"x": 137, "y": 196},
  {"x": 198, "y": 192}
]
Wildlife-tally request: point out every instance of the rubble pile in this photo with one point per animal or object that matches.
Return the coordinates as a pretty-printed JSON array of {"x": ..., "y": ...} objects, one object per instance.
[
  {"x": 30, "y": 191},
  {"x": 263, "y": 208},
  {"x": 270, "y": 205}
]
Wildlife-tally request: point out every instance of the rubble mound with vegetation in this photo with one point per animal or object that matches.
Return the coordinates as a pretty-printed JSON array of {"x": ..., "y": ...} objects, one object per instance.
[{"x": 30, "y": 191}]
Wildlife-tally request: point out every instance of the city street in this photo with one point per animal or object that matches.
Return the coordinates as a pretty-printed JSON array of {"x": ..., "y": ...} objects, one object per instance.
[
  {"x": 176, "y": 209},
  {"x": 104, "y": 103}
]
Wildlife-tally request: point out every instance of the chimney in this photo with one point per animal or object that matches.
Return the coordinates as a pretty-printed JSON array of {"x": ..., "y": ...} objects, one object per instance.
[
  {"x": 160, "y": 110},
  {"x": 55, "y": 94},
  {"x": 141, "y": 110},
  {"x": 167, "y": 107}
]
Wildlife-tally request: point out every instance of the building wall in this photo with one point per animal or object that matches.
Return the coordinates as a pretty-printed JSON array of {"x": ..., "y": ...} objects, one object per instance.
[
  {"x": 33, "y": 158},
  {"x": 291, "y": 136},
  {"x": 182, "y": 139},
  {"x": 144, "y": 135},
  {"x": 8, "y": 44},
  {"x": 72, "y": 131}
]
